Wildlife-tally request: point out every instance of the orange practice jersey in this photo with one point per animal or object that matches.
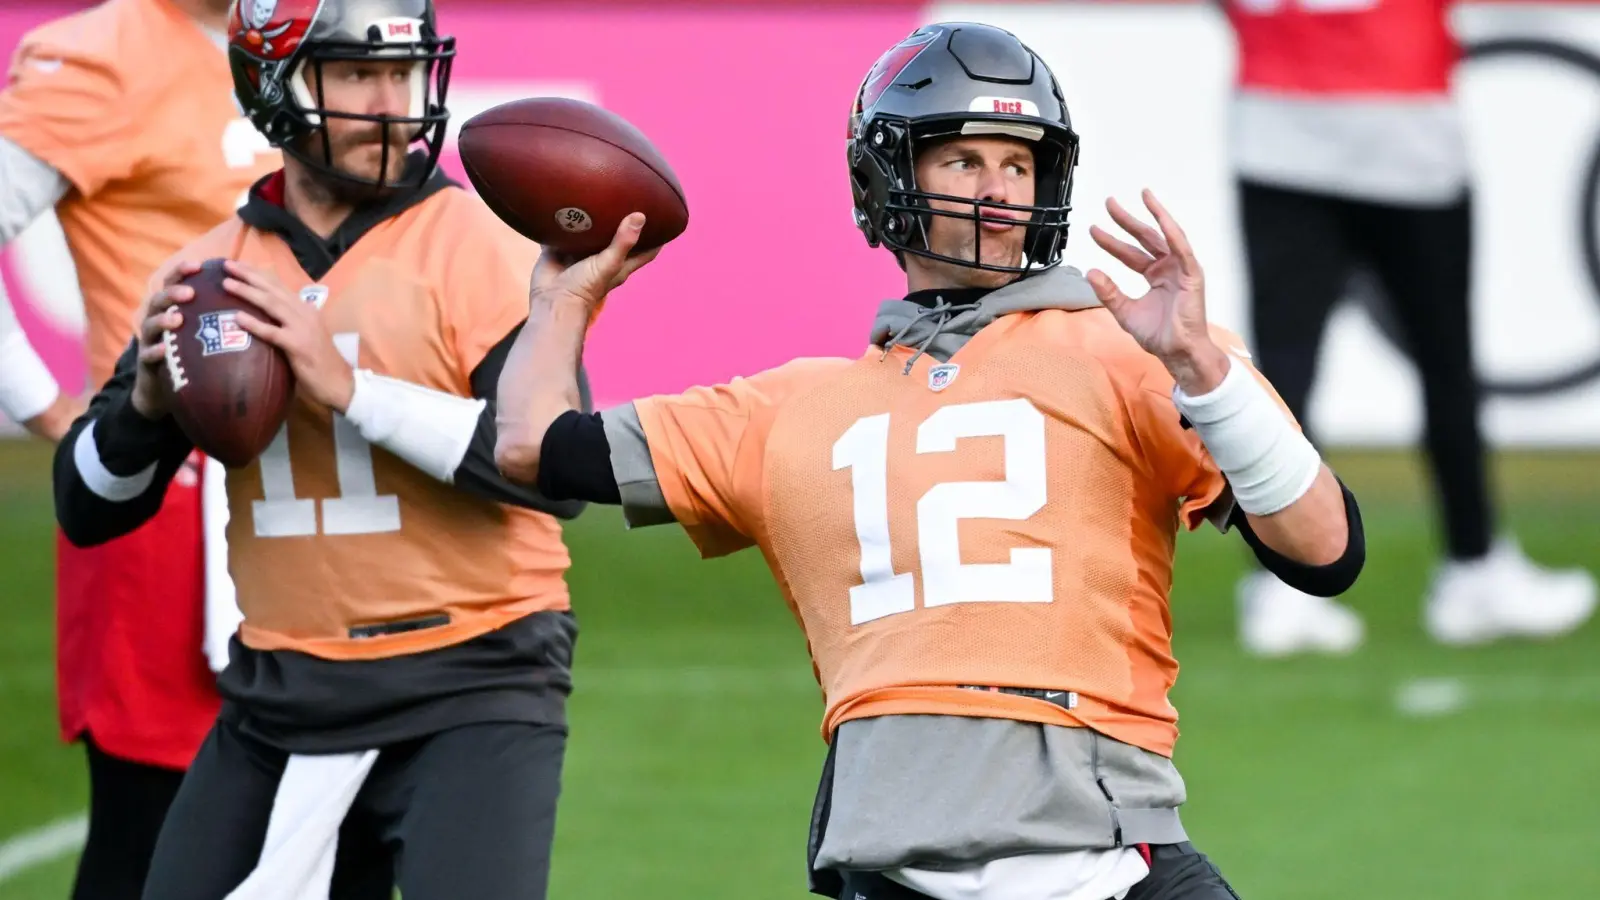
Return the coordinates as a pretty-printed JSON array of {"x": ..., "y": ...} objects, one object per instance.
[
  {"x": 1010, "y": 526},
  {"x": 328, "y": 533},
  {"x": 132, "y": 102}
]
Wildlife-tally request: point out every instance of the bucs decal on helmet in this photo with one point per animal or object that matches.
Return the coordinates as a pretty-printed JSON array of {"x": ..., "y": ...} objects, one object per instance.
[
  {"x": 261, "y": 12},
  {"x": 272, "y": 29},
  {"x": 883, "y": 72}
]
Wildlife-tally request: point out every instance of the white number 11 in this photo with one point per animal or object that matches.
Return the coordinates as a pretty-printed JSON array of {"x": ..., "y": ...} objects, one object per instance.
[
  {"x": 1027, "y": 578},
  {"x": 359, "y": 508}
]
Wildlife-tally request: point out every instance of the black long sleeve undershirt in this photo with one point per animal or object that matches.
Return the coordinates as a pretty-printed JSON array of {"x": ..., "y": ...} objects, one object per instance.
[
  {"x": 127, "y": 443},
  {"x": 477, "y": 473}
]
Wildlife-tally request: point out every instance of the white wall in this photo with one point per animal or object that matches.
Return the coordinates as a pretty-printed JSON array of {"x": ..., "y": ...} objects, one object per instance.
[{"x": 1148, "y": 86}]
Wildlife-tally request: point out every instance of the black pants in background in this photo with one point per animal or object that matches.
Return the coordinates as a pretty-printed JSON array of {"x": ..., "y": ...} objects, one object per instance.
[
  {"x": 1302, "y": 249},
  {"x": 127, "y": 802},
  {"x": 464, "y": 814}
]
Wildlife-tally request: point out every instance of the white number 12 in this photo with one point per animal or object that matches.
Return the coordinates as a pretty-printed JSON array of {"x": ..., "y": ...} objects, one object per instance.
[
  {"x": 359, "y": 508},
  {"x": 1027, "y": 578}
]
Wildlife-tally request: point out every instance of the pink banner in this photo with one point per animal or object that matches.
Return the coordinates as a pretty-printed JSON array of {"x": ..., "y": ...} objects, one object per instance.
[{"x": 749, "y": 104}]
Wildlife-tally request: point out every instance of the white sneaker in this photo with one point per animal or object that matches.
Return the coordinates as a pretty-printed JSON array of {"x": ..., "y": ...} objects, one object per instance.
[
  {"x": 1505, "y": 595},
  {"x": 1277, "y": 620}
]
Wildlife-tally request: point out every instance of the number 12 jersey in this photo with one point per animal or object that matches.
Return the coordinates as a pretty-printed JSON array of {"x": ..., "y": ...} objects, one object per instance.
[{"x": 1002, "y": 519}]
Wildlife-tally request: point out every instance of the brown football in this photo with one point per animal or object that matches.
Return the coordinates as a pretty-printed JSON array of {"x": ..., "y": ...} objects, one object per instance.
[
  {"x": 230, "y": 391},
  {"x": 564, "y": 174}
]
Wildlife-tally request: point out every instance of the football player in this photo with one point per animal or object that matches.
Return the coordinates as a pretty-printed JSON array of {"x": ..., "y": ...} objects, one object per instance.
[
  {"x": 974, "y": 522},
  {"x": 118, "y": 117},
  {"x": 1348, "y": 152},
  {"x": 406, "y": 616}
]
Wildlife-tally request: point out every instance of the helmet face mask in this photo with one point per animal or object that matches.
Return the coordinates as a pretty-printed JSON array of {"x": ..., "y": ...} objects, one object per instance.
[
  {"x": 279, "y": 51},
  {"x": 946, "y": 82}
]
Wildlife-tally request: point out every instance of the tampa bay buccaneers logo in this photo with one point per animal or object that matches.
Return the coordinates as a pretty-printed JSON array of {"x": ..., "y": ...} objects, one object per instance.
[
  {"x": 272, "y": 29},
  {"x": 887, "y": 68}
]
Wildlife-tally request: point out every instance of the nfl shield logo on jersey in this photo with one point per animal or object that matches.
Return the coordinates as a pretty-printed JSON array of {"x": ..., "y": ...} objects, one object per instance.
[
  {"x": 314, "y": 294},
  {"x": 220, "y": 333},
  {"x": 940, "y": 376}
]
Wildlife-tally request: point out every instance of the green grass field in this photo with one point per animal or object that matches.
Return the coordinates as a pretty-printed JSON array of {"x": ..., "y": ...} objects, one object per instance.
[{"x": 694, "y": 747}]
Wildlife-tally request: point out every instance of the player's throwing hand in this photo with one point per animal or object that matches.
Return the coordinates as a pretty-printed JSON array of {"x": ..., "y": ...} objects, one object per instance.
[
  {"x": 587, "y": 281},
  {"x": 297, "y": 330},
  {"x": 1169, "y": 321}
]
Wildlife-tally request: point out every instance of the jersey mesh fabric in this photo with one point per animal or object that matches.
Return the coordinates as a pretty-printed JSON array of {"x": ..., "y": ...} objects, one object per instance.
[
  {"x": 1102, "y": 631},
  {"x": 404, "y": 547},
  {"x": 1053, "y": 456}
]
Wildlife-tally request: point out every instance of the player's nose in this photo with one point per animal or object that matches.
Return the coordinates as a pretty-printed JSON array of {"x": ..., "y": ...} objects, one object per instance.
[
  {"x": 993, "y": 186},
  {"x": 393, "y": 99}
]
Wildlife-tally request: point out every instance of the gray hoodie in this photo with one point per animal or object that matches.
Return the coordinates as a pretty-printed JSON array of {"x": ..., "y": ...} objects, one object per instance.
[{"x": 942, "y": 329}]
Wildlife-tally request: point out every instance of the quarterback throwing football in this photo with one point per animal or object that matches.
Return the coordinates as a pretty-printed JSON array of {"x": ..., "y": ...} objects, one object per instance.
[
  {"x": 974, "y": 522},
  {"x": 394, "y": 706}
]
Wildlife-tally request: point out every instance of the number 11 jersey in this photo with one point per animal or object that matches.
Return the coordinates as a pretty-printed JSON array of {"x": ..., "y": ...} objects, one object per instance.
[{"x": 340, "y": 549}]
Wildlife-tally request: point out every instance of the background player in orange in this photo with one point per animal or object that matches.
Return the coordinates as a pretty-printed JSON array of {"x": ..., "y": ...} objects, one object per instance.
[
  {"x": 119, "y": 118},
  {"x": 974, "y": 522},
  {"x": 398, "y": 686}
]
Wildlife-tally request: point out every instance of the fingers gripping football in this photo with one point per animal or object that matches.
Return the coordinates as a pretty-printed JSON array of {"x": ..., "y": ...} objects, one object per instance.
[
  {"x": 159, "y": 318},
  {"x": 588, "y": 280},
  {"x": 296, "y": 328}
]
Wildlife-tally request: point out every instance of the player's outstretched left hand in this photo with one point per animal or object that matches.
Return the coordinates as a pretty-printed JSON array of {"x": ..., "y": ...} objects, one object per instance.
[
  {"x": 1169, "y": 321},
  {"x": 295, "y": 328},
  {"x": 587, "y": 281}
]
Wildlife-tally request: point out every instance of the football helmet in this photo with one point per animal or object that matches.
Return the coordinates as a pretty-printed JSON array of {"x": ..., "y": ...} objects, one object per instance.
[
  {"x": 272, "y": 44},
  {"x": 948, "y": 80}
]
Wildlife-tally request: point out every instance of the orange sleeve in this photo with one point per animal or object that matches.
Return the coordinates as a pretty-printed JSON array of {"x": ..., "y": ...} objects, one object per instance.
[
  {"x": 707, "y": 447},
  {"x": 1174, "y": 452},
  {"x": 68, "y": 105}
]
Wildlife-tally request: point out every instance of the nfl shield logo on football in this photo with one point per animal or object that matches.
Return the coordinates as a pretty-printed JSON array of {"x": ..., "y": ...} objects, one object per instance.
[
  {"x": 940, "y": 376},
  {"x": 314, "y": 294},
  {"x": 220, "y": 333}
]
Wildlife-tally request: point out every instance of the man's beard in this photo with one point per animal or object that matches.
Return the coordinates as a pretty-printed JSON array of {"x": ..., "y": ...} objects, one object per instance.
[
  {"x": 344, "y": 188},
  {"x": 996, "y": 249}
]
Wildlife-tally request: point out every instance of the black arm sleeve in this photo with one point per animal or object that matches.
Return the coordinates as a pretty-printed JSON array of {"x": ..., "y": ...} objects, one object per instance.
[
  {"x": 477, "y": 474},
  {"x": 1330, "y": 580},
  {"x": 575, "y": 460},
  {"x": 126, "y": 444}
]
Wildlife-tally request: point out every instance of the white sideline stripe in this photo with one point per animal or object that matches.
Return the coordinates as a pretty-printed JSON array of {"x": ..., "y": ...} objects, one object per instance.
[{"x": 42, "y": 845}]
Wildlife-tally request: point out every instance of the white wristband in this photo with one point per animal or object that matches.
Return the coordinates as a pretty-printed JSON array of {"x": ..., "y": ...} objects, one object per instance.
[
  {"x": 428, "y": 429},
  {"x": 26, "y": 386},
  {"x": 1268, "y": 462}
]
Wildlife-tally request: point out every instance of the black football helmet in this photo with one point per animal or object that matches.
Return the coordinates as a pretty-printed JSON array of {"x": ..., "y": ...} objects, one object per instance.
[
  {"x": 948, "y": 80},
  {"x": 271, "y": 44}
]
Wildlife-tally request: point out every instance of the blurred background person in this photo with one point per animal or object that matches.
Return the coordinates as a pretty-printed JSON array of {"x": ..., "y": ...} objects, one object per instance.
[
  {"x": 120, "y": 118},
  {"x": 1349, "y": 154}
]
